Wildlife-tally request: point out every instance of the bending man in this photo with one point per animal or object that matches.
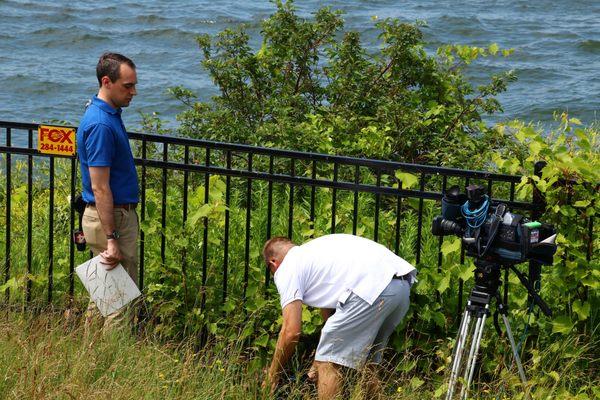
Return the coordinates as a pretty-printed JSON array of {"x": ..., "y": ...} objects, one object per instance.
[{"x": 360, "y": 286}]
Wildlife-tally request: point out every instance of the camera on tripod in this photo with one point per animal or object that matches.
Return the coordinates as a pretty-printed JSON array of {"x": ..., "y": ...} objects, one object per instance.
[
  {"x": 498, "y": 240},
  {"x": 490, "y": 232}
]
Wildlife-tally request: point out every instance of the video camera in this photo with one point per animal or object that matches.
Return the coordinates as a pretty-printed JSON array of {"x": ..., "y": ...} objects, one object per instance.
[{"x": 490, "y": 232}]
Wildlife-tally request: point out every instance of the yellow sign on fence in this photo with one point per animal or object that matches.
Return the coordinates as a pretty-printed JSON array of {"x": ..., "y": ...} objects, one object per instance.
[{"x": 56, "y": 140}]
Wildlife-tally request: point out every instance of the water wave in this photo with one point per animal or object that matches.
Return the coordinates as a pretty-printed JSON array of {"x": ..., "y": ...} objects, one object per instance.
[
  {"x": 148, "y": 19},
  {"x": 59, "y": 36},
  {"x": 466, "y": 21},
  {"x": 590, "y": 46},
  {"x": 164, "y": 33}
]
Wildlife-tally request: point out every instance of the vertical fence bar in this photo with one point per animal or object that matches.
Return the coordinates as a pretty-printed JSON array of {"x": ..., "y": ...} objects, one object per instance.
[
  {"x": 28, "y": 283},
  {"x": 377, "y": 206},
  {"x": 226, "y": 240},
  {"x": 355, "y": 210},
  {"x": 334, "y": 197},
  {"x": 291, "y": 202},
  {"x": 535, "y": 268},
  {"x": 398, "y": 214},
  {"x": 72, "y": 228},
  {"x": 205, "y": 234},
  {"x": 420, "y": 220},
  {"x": 590, "y": 248},
  {"x": 440, "y": 241},
  {"x": 505, "y": 299},
  {"x": 204, "y": 330},
  {"x": 143, "y": 215},
  {"x": 512, "y": 191},
  {"x": 441, "y": 238},
  {"x": 186, "y": 178},
  {"x": 313, "y": 193},
  {"x": 8, "y": 205},
  {"x": 511, "y": 197},
  {"x": 248, "y": 216},
  {"x": 461, "y": 283},
  {"x": 163, "y": 211},
  {"x": 51, "y": 233},
  {"x": 269, "y": 216}
]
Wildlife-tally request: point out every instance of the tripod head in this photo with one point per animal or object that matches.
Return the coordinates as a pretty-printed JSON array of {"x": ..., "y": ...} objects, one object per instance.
[{"x": 488, "y": 280}]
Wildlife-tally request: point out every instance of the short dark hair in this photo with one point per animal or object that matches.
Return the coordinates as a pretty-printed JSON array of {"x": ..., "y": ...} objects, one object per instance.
[
  {"x": 273, "y": 246},
  {"x": 109, "y": 65}
]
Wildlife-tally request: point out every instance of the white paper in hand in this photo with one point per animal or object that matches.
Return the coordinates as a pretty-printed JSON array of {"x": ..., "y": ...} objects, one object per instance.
[{"x": 111, "y": 290}]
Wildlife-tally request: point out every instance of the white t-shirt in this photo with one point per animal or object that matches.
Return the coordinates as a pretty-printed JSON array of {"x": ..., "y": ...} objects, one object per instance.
[{"x": 326, "y": 270}]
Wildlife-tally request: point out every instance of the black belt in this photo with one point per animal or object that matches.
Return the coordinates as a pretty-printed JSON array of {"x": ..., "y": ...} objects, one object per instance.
[
  {"x": 402, "y": 278},
  {"x": 128, "y": 207}
]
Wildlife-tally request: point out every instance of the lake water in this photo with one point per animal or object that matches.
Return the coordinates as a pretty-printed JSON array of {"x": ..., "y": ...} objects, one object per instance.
[{"x": 48, "y": 50}]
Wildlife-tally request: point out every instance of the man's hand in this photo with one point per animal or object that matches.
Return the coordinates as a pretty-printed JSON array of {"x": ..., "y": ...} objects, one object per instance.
[
  {"x": 100, "y": 177},
  {"x": 112, "y": 254},
  {"x": 312, "y": 373},
  {"x": 286, "y": 342}
]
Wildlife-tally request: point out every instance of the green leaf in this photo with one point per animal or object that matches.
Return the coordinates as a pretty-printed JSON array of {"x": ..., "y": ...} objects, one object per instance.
[
  {"x": 12, "y": 284},
  {"x": 440, "y": 391},
  {"x": 562, "y": 324},
  {"x": 306, "y": 315},
  {"x": 439, "y": 319},
  {"x": 228, "y": 306},
  {"x": 213, "y": 328},
  {"x": 416, "y": 383},
  {"x": 465, "y": 272},
  {"x": 262, "y": 341},
  {"x": 582, "y": 203},
  {"x": 493, "y": 49},
  {"x": 554, "y": 376},
  {"x": 450, "y": 246},
  {"x": 200, "y": 213},
  {"x": 535, "y": 147},
  {"x": 406, "y": 366},
  {"x": 444, "y": 283},
  {"x": 581, "y": 309},
  {"x": 408, "y": 180}
]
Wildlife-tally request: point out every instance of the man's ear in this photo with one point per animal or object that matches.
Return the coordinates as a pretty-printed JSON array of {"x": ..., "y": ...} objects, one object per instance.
[
  {"x": 273, "y": 264},
  {"x": 105, "y": 80}
]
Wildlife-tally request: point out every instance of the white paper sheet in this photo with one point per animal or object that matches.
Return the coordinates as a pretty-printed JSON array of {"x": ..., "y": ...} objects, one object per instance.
[{"x": 111, "y": 290}]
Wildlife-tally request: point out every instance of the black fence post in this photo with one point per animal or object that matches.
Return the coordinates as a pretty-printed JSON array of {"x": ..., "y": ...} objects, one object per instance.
[
  {"x": 539, "y": 203},
  {"x": 8, "y": 198}
]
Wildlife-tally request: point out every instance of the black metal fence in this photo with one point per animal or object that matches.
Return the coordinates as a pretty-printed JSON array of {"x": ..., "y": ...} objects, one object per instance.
[{"x": 262, "y": 192}]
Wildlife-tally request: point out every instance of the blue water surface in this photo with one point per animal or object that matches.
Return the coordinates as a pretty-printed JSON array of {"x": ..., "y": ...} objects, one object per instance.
[{"x": 48, "y": 50}]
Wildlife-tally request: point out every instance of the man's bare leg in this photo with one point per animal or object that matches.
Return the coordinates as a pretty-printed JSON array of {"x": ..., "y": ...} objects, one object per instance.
[
  {"x": 373, "y": 383},
  {"x": 329, "y": 382}
]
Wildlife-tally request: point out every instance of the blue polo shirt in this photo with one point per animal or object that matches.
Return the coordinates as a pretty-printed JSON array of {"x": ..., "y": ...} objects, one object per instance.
[{"x": 103, "y": 142}]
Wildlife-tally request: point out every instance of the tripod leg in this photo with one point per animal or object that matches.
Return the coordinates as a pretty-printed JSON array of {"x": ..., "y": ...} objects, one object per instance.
[
  {"x": 458, "y": 352},
  {"x": 516, "y": 355},
  {"x": 472, "y": 360}
]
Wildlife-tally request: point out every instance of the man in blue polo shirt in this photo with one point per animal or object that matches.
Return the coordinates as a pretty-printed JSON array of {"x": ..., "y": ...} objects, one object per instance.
[{"x": 108, "y": 175}]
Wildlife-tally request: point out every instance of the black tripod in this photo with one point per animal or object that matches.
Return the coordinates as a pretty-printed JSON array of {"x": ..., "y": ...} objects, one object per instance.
[{"x": 487, "y": 282}]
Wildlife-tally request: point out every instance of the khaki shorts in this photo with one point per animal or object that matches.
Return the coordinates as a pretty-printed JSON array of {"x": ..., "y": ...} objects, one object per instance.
[
  {"x": 358, "y": 332},
  {"x": 126, "y": 223}
]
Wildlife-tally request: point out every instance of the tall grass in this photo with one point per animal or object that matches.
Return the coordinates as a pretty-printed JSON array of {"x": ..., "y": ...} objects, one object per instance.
[{"x": 50, "y": 356}]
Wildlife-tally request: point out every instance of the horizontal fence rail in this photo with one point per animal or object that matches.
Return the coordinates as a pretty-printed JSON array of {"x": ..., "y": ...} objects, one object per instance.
[{"x": 207, "y": 207}]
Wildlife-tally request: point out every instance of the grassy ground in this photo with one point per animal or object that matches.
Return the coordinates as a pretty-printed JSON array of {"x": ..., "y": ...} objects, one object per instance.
[{"x": 51, "y": 357}]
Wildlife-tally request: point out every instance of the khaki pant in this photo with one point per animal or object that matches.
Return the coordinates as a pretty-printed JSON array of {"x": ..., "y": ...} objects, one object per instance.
[{"x": 126, "y": 223}]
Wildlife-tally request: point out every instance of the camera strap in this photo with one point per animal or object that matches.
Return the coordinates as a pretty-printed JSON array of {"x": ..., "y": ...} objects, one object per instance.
[{"x": 495, "y": 222}]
